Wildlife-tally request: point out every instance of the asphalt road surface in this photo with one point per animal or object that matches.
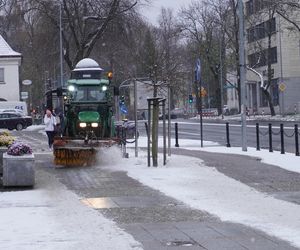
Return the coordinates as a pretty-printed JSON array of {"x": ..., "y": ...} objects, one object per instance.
[{"x": 216, "y": 132}]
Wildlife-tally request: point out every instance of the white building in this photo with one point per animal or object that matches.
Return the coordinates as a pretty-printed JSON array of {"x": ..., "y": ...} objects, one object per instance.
[
  {"x": 10, "y": 62},
  {"x": 144, "y": 91},
  {"x": 284, "y": 56}
]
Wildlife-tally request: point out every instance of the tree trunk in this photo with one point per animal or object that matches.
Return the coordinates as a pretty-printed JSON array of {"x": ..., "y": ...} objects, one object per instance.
[
  {"x": 269, "y": 98},
  {"x": 155, "y": 132}
]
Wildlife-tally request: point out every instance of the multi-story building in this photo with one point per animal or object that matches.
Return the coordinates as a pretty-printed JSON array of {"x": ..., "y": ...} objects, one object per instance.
[{"x": 272, "y": 40}]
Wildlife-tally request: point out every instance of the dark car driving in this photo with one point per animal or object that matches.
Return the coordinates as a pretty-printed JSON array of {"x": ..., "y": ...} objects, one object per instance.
[{"x": 14, "y": 121}]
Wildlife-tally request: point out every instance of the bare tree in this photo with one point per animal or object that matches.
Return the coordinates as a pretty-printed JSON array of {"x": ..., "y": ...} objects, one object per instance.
[
  {"x": 84, "y": 23},
  {"x": 206, "y": 30}
]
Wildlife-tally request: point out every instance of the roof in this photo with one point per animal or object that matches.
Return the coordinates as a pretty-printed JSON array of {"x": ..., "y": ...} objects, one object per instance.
[
  {"x": 6, "y": 50},
  {"x": 87, "y": 64}
]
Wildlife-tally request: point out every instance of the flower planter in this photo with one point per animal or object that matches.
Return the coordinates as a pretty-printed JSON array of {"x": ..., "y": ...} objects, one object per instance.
[
  {"x": 2, "y": 151},
  {"x": 18, "y": 170}
]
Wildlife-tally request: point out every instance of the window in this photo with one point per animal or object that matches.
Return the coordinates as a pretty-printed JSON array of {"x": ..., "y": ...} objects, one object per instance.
[
  {"x": 2, "y": 75},
  {"x": 273, "y": 55},
  {"x": 254, "y": 6},
  {"x": 91, "y": 93},
  {"x": 259, "y": 59},
  {"x": 14, "y": 115},
  {"x": 261, "y": 30},
  {"x": 271, "y": 26},
  {"x": 263, "y": 98},
  {"x": 274, "y": 93}
]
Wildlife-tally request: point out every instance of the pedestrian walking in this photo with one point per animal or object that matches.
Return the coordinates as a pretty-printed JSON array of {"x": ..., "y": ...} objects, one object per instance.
[{"x": 50, "y": 122}]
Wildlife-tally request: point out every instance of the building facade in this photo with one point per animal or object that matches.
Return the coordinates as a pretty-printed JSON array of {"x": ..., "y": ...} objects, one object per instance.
[
  {"x": 271, "y": 40},
  {"x": 10, "y": 62}
]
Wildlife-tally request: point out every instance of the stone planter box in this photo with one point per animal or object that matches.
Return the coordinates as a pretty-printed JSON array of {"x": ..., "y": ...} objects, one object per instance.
[
  {"x": 18, "y": 170},
  {"x": 2, "y": 151}
]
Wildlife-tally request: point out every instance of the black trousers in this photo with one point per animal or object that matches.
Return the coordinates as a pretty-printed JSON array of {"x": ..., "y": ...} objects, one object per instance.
[{"x": 50, "y": 135}]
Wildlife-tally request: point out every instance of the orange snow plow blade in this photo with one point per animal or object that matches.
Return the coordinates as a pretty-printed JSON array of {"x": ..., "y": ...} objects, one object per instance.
[{"x": 76, "y": 152}]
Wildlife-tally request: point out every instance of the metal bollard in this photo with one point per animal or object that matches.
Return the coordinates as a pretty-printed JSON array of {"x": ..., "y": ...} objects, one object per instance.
[
  {"x": 176, "y": 135},
  {"x": 296, "y": 140},
  {"x": 146, "y": 127},
  {"x": 282, "y": 151},
  {"x": 270, "y": 138},
  {"x": 257, "y": 137},
  {"x": 227, "y": 135}
]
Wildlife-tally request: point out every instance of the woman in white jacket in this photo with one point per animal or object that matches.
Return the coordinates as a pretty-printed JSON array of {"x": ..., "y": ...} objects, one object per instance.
[{"x": 50, "y": 122}]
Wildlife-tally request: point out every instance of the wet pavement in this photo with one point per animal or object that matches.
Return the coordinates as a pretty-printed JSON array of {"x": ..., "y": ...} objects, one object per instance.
[
  {"x": 152, "y": 218},
  {"x": 161, "y": 222}
]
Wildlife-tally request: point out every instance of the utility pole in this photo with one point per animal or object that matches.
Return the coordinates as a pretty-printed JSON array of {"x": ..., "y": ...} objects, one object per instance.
[
  {"x": 61, "y": 46},
  {"x": 169, "y": 119},
  {"x": 221, "y": 72},
  {"x": 135, "y": 118},
  {"x": 242, "y": 73}
]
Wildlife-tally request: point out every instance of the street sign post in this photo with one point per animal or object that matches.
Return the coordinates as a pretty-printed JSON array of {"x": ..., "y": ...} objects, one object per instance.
[{"x": 198, "y": 81}]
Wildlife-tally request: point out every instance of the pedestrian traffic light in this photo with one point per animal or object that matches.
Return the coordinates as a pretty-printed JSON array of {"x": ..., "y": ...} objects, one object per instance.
[{"x": 190, "y": 99}]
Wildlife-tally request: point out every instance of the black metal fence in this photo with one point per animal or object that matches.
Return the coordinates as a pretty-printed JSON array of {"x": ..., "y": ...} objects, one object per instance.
[{"x": 269, "y": 133}]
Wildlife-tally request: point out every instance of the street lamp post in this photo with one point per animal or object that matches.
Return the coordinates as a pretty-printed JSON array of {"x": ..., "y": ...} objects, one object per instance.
[
  {"x": 61, "y": 45},
  {"x": 242, "y": 73}
]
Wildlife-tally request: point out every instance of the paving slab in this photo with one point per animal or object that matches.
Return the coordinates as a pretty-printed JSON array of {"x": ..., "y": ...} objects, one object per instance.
[{"x": 156, "y": 220}]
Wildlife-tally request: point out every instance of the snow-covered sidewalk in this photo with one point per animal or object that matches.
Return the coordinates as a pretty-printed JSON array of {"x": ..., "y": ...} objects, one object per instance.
[
  {"x": 189, "y": 180},
  {"x": 51, "y": 217}
]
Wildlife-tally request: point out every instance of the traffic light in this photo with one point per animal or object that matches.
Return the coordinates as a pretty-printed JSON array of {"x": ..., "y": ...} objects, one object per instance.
[
  {"x": 109, "y": 76},
  {"x": 190, "y": 99},
  {"x": 122, "y": 100}
]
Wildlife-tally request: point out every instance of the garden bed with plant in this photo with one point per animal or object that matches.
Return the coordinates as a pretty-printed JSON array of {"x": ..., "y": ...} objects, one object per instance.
[{"x": 17, "y": 162}]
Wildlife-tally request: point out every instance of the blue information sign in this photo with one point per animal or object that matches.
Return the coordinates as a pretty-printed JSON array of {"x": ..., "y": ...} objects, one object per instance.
[{"x": 198, "y": 70}]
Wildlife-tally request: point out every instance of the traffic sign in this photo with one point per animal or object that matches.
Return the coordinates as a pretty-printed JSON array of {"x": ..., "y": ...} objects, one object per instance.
[
  {"x": 282, "y": 87},
  {"x": 24, "y": 95},
  {"x": 198, "y": 70},
  {"x": 203, "y": 92},
  {"x": 26, "y": 82}
]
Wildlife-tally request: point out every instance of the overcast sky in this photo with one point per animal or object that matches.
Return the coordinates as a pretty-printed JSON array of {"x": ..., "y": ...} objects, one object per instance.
[{"x": 152, "y": 12}]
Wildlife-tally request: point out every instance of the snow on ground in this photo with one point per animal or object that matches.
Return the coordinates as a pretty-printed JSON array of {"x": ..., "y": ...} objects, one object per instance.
[
  {"x": 35, "y": 128},
  {"x": 53, "y": 218},
  {"x": 190, "y": 181},
  {"x": 286, "y": 161}
]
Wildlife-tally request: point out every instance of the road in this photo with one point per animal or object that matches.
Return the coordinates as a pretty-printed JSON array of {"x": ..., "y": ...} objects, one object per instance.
[{"x": 216, "y": 132}]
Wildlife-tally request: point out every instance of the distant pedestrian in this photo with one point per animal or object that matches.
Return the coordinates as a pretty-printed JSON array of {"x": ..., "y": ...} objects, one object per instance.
[
  {"x": 58, "y": 115},
  {"x": 50, "y": 122}
]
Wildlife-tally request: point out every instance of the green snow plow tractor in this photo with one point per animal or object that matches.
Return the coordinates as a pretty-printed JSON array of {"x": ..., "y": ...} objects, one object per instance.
[{"x": 88, "y": 116}]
